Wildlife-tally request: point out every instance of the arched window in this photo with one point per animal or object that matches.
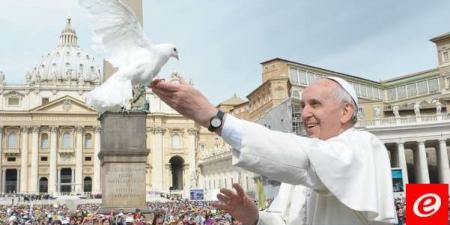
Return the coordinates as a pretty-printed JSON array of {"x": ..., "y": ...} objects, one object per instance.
[
  {"x": 88, "y": 141},
  {"x": 43, "y": 185},
  {"x": 87, "y": 184},
  {"x": 67, "y": 140},
  {"x": 296, "y": 94},
  {"x": 176, "y": 141},
  {"x": 12, "y": 140},
  {"x": 176, "y": 166},
  {"x": 44, "y": 141}
]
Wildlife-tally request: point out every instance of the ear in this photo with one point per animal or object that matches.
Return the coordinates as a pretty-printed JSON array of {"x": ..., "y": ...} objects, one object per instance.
[{"x": 347, "y": 113}]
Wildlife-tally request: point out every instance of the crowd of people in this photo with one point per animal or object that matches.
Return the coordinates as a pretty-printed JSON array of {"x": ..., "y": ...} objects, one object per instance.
[
  {"x": 167, "y": 213},
  {"x": 164, "y": 213}
]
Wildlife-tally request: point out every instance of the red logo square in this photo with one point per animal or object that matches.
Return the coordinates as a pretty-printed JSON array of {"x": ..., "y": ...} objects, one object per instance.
[{"x": 426, "y": 204}]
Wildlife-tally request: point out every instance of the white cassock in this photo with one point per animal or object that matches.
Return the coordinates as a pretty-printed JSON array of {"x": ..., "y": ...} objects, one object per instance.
[
  {"x": 288, "y": 207},
  {"x": 350, "y": 173}
]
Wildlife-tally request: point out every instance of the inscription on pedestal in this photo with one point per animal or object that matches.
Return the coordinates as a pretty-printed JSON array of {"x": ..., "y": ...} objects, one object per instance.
[{"x": 124, "y": 184}]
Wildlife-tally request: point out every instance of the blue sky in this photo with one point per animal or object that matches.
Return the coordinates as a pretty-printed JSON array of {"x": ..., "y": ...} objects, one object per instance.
[{"x": 222, "y": 43}]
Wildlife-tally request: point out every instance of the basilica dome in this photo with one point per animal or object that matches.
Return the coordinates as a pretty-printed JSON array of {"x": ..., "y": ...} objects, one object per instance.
[{"x": 66, "y": 63}]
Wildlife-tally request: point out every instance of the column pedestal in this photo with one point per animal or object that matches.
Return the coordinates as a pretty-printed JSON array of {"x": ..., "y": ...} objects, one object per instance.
[{"x": 123, "y": 157}]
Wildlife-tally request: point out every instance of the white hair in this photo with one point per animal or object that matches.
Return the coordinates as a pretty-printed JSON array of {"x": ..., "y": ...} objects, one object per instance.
[{"x": 343, "y": 97}]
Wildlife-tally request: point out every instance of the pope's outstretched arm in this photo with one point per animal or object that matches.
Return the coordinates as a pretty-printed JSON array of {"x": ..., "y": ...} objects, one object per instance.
[{"x": 289, "y": 164}]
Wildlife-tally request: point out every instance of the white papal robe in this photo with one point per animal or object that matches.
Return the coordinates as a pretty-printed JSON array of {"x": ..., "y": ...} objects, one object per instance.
[
  {"x": 350, "y": 173},
  {"x": 289, "y": 206}
]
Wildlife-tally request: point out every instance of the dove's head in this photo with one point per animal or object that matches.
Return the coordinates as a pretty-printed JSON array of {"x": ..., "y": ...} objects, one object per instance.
[{"x": 170, "y": 50}]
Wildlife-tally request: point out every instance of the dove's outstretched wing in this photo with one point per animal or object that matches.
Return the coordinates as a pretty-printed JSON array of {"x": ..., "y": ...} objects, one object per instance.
[{"x": 117, "y": 31}]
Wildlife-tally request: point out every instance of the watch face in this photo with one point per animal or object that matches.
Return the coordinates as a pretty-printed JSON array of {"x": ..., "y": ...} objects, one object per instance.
[{"x": 216, "y": 122}]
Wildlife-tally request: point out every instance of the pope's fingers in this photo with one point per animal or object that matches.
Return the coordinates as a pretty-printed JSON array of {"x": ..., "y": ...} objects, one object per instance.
[
  {"x": 239, "y": 189},
  {"x": 166, "y": 86},
  {"x": 223, "y": 198},
  {"x": 182, "y": 81},
  {"x": 227, "y": 192},
  {"x": 221, "y": 206},
  {"x": 156, "y": 81}
]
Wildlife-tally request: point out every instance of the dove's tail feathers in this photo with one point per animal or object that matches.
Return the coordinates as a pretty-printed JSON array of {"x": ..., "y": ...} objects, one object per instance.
[{"x": 112, "y": 95}]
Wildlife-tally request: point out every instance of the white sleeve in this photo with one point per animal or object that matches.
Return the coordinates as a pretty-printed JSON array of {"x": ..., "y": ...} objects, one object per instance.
[
  {"x": 232, "y": 131},
  {"x": 277, "y": 155},
  {"x": 266, "y": 218}
]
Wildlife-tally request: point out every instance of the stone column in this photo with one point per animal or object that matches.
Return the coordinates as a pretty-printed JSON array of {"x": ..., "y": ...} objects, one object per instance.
[
  {"x": 58, "y": 182},
  {"x": 192, "y": 157},
  {"x": 52, "y": 188},
  {"x": 402, "y": 162},
  {"x": 18, "y": 180},
  {"x": 442, "y": 162},
  {"x": 3, "y": 180},
  {"x": 421, "y": 165},
  {"x": 24, "y": 160},
  {"x": 157, "y": 159},
  {"x": 72, "y": 181},
  {"x": 79, "y": 160},
  {"x": 1, "y": 158},
  {"x": 96, "y": 181},
  {"x": 34, "y": 160}
]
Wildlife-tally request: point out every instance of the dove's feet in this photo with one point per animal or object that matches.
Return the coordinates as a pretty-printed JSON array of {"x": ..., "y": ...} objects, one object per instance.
[
  {"x": 125, "y": 111},
  {"x": 100, "y": 117}
]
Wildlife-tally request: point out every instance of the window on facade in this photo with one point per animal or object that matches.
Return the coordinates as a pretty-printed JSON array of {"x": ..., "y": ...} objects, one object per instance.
[
  {"x": 13, "y": 101},
  {"x": 412, "y": 90},
  {"x": 67, "y": 140},
  {"x": 445, "y": 56},
  {"x": 293, "y": 74},
  {"x": 176, "y": 141},
  {"x": 12, "y": 140},
  {"x": 302, "y": 77},
  {"x": 433, "y": 85},
  {"x": 380, "y": 94},
  {"x": 422, "y": 87},
  {"x": 44, "y": 159},
  {"x": 357, "y": 90},
  {"x": 45, "y": 101},
  {"x": 11, "y": 159},
  {"x": 87, "y": 158},
  {"x": 363, "y": 90},
  {"x": 88, "y": 141},
  {"x": 311, "y": 77},
  {"x": 401, "y": 92},
  {"x": 44, "y": 141},
  {"x": 392, "y": 95}
]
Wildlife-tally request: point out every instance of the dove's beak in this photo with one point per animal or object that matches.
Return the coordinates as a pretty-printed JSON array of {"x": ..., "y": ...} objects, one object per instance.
[{"x": 177, "y": 57}]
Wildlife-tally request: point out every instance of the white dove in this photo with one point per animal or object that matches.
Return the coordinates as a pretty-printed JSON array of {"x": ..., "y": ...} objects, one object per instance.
[{"x": 119, "y": 34}]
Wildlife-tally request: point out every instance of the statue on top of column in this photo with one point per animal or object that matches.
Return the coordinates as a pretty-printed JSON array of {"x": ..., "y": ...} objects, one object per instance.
[
  {"x": 438, "y": 107},
  {"x": 417, "y": 109},
  {"x": 395, "y": 110}
]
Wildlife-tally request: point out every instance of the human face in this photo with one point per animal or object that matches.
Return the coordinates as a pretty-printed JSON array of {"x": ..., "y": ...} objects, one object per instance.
[{"x": 323, "y": 116}]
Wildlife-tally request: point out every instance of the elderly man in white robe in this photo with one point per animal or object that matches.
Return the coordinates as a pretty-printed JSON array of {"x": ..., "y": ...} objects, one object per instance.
[{"x": 348, "y": 170}]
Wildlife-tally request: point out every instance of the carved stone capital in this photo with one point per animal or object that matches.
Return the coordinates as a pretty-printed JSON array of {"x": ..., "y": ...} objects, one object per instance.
[
  {"x": 35, "y": 129},
  {"x": 97, "y": 129},
  {"x": 192, "y": 131},
  {"x": 54, "y": 129},
  {"x": 173, "y": 131},
  {"x": 79, "y": 129},
  {"x": 158, "y": 130},
  {"x": 23, "y": 129}
]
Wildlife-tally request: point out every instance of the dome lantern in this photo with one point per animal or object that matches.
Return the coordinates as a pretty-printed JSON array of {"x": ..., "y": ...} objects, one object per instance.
[{"x": 68, "y": 35}]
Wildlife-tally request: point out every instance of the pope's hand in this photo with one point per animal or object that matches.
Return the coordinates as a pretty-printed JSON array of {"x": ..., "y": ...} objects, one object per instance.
[
  {"x": 238, "y": 205},
  {"x": 185, "y": 99}
]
